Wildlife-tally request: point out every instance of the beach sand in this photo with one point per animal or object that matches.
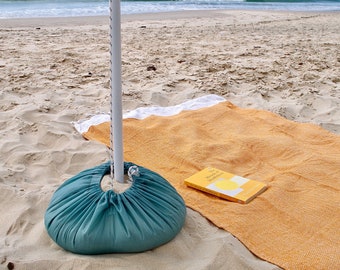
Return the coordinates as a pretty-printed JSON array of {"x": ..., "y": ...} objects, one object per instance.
[{"x": 56, "y": 71}]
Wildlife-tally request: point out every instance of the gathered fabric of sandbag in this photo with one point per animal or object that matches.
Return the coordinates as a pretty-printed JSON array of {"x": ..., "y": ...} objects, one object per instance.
[{"x": 84, "y": 219}]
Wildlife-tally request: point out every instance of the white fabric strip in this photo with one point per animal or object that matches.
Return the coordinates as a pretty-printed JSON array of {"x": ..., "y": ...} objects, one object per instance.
[{"x": 143, "y": 112}]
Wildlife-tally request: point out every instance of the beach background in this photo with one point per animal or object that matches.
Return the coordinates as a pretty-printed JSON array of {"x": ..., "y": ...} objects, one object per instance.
[
  {"x": 55, "y": 71},
  {"x": 65, "y": 8}
]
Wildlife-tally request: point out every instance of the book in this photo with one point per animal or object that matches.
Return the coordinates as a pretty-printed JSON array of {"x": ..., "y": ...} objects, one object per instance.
[{"x": 226, "y": 185}]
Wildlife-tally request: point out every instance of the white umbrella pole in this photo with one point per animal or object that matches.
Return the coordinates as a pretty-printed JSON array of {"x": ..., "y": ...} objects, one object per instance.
[{"x": 116, "y": 93}]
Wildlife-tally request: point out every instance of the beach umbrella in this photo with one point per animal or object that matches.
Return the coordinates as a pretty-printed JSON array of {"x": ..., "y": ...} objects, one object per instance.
[{"x": 83, "y": 218}]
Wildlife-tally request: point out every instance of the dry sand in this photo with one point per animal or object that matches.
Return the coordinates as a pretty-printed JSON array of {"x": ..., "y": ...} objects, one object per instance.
[{"x": 56, "y": 71}]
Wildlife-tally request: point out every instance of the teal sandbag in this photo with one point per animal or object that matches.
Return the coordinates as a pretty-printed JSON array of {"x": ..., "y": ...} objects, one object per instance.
[{"x": 84, "y": 219}]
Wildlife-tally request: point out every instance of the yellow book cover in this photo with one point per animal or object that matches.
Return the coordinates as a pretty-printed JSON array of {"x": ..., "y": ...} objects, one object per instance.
[{"x": 226, "y": 185}]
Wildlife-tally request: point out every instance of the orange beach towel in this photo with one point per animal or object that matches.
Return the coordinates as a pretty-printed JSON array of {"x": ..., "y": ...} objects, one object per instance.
[{"x": 295, "y": 222}]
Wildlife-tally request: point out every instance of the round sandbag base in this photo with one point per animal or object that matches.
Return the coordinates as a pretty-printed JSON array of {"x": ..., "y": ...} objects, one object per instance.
[{"x": 84, "y": 219}]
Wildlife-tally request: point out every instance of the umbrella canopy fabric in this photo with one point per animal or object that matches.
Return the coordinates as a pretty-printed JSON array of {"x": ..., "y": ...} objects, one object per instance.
[{"x": 84, "y": 219}]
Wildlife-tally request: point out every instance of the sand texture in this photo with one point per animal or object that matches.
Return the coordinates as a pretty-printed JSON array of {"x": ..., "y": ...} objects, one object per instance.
[{"x": 56, "y": 71}]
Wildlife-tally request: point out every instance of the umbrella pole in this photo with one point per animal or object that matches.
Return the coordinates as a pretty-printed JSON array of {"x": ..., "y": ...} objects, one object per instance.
[{"x": 116, "y": 128}]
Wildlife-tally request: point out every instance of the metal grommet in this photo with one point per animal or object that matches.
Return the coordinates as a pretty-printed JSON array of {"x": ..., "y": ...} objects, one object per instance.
[{"x": 133, "y": 171}]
